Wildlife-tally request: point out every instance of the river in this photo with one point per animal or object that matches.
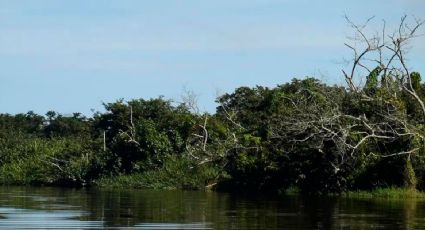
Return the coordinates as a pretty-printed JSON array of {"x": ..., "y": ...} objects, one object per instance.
[{"x": 63, "y": 208}]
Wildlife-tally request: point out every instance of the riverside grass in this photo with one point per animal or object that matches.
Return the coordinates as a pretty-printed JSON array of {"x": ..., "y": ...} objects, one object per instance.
[
  {"x": 390, "y": 193},
  {"x": 176, "y": 173},
  {"x": 150, "y": 181},
  {"x": 385, "y": 193}
]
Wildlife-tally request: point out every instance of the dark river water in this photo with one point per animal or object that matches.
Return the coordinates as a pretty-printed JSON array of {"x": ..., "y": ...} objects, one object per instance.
[{"x": 54, "y": 208}]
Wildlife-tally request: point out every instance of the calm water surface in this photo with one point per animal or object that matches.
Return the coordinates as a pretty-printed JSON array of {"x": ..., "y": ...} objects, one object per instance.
[{"x": 53, "y": 208}]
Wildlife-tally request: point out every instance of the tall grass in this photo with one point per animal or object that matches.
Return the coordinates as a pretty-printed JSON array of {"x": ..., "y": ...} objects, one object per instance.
[
  {"x": 44, "y": 161},
  {"x": 392, "y": 192},
  {"x": 177, "y": 172}
]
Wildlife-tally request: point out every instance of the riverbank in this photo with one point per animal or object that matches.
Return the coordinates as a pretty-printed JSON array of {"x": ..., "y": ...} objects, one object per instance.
[
  {"x": 392, "y": 192},
  {"x": 190, "y": 181},
  {"x": 144, "y": 181}
]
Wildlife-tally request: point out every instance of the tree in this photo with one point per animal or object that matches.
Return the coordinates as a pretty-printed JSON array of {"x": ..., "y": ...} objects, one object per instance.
[{"x": 373, "y": 120}]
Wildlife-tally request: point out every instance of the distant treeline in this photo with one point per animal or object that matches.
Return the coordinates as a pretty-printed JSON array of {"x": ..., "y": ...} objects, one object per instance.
[{"x": 316, "y": 137}]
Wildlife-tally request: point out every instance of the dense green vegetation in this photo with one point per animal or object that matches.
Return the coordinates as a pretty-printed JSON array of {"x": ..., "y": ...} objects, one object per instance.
[
  {"x": 303, "y": 133},
  {"x": 306, "y": 134}
]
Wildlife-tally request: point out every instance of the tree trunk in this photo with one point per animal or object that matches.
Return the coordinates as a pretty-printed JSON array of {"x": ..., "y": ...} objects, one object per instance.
[{"x": 410, "y": 180}]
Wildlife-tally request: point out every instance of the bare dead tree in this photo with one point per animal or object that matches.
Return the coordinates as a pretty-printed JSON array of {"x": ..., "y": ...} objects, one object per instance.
[
  {"x": 104, "y": 141},
  {"x": 199, "y": 148},
  {"x": 388, "y": 52},
  {"x": 384, "y": 50},
  {"x": 382, "y": 54},
  {"x": 320, "y": 126},
  {"x": 190, "y": 100},
  {"x": 130, "y": 135}
]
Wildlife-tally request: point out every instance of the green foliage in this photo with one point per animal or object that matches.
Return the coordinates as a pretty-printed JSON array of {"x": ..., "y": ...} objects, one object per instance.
[
  {"x": 389, "y": 192},
  {"x": 303, "y": 134},
  {"x": 410, "y": 180},
  {"x": 372, "y": 78},
  {"x": 416, "y": 80},
  {"x": 46, "y": 161},
  {"x": 62, "y": 126},
  {"x": 177, "y": 172}
]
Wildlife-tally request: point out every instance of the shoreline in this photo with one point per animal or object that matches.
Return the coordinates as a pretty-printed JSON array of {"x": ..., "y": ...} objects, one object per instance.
[{"x": 381, "y": 193}]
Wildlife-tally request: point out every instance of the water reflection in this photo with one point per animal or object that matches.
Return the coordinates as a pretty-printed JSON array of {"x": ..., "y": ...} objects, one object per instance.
[
  {"x": 53, "y": 208},
  {"x": 35, "y": 219}
]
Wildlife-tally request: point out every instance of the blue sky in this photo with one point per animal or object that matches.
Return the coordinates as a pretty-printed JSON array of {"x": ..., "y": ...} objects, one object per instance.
[{"x": 70, "y": 56}]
